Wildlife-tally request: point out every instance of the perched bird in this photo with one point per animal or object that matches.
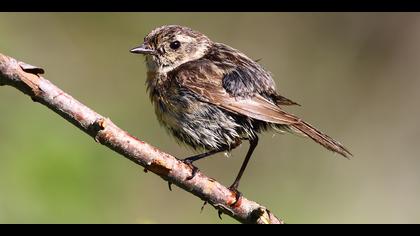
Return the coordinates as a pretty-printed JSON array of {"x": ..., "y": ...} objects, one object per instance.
[{"x": 212, "y": 96}]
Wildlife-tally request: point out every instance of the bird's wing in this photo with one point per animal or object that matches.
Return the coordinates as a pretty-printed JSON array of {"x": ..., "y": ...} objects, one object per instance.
[
  {"x": 244, "y": 76},
  {"x": 242, "y": 81},
  {"x": 206, "y": 81}
]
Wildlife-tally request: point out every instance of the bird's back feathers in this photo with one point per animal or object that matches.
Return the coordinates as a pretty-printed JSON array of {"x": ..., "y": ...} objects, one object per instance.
[{"x": 230, "y": 80}]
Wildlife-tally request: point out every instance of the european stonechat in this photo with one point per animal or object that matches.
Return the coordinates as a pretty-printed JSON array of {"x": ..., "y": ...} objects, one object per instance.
[{"x": 211, "y": 96}]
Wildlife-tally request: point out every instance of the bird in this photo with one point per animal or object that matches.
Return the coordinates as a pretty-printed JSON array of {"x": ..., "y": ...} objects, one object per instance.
[{"x": 212, "y": 97}]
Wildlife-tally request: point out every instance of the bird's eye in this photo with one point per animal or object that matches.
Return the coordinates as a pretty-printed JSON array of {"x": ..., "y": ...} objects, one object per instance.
[{"x": 175, "y": 45}]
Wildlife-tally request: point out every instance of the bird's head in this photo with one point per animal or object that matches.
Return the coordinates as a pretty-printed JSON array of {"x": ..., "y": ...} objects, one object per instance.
[{"x": 170, "y": 46}]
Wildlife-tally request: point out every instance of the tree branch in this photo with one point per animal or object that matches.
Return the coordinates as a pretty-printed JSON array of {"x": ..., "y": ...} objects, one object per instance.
[{"x": 26, "y": 78}]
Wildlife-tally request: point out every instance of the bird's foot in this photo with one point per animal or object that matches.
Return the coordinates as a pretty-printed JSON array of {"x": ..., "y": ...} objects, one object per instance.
[
  {"x": 194, "y": 169},
  {"x": 237, "y": 194}
]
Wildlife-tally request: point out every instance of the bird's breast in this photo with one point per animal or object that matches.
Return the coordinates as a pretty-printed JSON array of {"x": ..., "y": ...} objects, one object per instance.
[
  {"x": 190, "y": 120},
  {"x": 165, "y": 98}
]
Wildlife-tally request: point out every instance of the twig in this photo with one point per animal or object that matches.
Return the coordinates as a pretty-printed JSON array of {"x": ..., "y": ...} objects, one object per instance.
[{"x": 27, "y": 79}]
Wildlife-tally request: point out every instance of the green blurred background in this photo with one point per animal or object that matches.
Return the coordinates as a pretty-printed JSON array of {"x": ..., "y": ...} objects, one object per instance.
[{"x": 356, "y": 75}]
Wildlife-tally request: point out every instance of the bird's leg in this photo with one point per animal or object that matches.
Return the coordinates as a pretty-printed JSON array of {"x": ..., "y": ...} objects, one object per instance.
[
  {"x": 234, "y": 187},
  {"x": 190, "y": 160}
]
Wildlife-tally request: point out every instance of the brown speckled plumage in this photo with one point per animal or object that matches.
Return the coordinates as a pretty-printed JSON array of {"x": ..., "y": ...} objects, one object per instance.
[{"x": 211, "y": 96}]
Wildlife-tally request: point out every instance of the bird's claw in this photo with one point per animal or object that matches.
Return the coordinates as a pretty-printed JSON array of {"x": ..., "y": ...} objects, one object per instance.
[
  {"x": 194, "y": 169},
  {"x": 237, "y": 194}
]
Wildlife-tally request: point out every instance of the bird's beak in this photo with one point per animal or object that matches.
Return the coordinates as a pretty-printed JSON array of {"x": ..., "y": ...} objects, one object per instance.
[{"x": 143, "y": 49}]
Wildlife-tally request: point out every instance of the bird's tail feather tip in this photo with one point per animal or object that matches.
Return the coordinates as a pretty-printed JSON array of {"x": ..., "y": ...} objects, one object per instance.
[
  {"x": 323, "y": 139},
  {"x": 345, "y": 153}
]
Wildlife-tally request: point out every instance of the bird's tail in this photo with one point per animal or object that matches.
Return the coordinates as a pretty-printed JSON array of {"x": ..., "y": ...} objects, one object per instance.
[{"x": 320, "y": 138}]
